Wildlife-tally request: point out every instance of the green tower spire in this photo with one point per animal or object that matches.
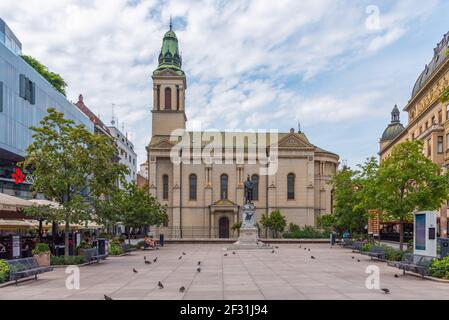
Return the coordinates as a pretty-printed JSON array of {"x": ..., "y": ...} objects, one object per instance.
[{"x": 169, "y": 58}]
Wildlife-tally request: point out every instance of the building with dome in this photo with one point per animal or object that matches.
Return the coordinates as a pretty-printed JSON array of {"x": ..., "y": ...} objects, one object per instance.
[
  {"x": 428, "y": 117},
  {"x": 203, "y": 195}
]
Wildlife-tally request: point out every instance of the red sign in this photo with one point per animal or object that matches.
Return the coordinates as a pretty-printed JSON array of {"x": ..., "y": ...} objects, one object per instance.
[{"x": 18, "y": 176}]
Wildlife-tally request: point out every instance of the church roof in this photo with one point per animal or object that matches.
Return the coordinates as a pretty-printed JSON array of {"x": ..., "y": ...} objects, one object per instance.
[
  {"x": 284, "y": 140},
  {"x": 169, "y": 57}
]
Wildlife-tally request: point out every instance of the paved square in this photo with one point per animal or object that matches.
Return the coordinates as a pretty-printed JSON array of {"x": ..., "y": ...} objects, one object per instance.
[{"x": 289, "y": 273}]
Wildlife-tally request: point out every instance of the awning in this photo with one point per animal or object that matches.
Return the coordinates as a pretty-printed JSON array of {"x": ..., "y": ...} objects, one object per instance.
[
  {"x": 10, "y": 224},
  {"x": 43, "y": 202},
  {"x": 8, "y": 202}
]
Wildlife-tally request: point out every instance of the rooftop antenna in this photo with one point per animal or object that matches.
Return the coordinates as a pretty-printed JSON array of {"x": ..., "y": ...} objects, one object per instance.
[{"x": 299, "y": 127}]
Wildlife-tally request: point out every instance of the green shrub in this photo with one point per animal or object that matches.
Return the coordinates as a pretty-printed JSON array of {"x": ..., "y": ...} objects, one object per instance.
[
  {"x": 4, "y": 271},
  {"x": 64, "y": 261},
  {"x": 440, "y": 268},
  {"x": 41, "y": 248},
  {"x": 115, "y": 248},
  {"x": 308, "y": 232},
  {"x": 84, "y": 245},
  {"x": 392, "y": 254},
  {"x": 367, "y": 247}
]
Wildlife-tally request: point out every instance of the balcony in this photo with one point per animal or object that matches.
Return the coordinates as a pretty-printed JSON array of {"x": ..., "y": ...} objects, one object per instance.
[{"x": 438, "y": 128}]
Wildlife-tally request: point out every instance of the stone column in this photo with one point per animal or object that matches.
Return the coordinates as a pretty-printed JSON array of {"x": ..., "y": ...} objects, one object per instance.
[
  {"x": 176, "y": 199},
  {"x": 311, "y": 190},
  {"x": 212, "y": 224},
  {"x": 181, "y": 97},
  {"x": 443, "y": 221},
  {"x": 152, "y": 175}
]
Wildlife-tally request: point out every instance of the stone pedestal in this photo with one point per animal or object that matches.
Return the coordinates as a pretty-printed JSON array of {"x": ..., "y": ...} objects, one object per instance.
[{"x": 248, "y": 238}]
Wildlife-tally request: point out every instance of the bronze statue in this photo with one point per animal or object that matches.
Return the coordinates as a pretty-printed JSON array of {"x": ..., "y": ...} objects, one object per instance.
[{"x": 249, "y": 186}]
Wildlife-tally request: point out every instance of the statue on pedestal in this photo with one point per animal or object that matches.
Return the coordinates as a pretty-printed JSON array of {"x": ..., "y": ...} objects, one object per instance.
[
  {"x": 248, "y": 209},
  {"x": 249, "y": 186}
]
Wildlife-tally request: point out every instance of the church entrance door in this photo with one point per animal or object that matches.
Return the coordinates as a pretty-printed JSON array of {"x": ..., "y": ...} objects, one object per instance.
[{"x": 223, "y": 228}]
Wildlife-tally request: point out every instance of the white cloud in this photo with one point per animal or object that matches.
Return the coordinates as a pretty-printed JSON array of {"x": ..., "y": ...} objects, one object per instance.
[{"x": 245, "y": 60}]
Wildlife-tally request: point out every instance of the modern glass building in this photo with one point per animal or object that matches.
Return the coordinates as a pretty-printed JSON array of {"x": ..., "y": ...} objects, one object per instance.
[
  {"x": 25, "y": 97},
  {"x": 8, "y": 39}
]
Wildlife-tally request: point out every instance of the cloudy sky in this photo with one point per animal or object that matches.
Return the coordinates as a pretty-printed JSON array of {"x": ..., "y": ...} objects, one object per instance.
[{"x": 338, "y": 67}]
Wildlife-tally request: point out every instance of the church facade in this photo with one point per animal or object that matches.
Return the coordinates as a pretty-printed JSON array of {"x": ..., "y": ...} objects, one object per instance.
[{"x": 203, "y": 195}]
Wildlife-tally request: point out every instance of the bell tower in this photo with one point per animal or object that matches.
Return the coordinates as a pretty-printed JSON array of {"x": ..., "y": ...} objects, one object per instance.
[{"x": 169, "y": 85}]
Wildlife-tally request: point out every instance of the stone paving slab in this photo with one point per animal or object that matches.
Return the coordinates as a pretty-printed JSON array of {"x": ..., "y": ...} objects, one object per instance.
[{"x": 289, "y": 273}]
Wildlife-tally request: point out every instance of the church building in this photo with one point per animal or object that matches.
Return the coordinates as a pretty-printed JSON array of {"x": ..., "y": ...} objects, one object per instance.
[{"x": 203, "y": 198}]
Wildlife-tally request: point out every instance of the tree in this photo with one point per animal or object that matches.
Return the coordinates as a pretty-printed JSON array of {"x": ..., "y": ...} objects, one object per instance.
[
  {"x": 405, "y": 182},
  {"x": 71, "y": 166},
  {"x": 43, "y": 213},
  {"x": 236, "y": 227},
  {"x": 265, "y": 222},
  {"x": 134, "y": 207},
  {"x": 55, "y": 79},
  {"x": 348, "y": 213},
  {"x": 275, "y": 222}
]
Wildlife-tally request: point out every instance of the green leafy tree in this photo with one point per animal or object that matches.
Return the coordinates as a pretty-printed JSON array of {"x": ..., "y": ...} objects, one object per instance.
[
  {"x": 55, "y": 79},
  {"x": 278, "y": 222},
  {"x": 405, "y": 182},
  {"x": 348, "y": 214},
  {"x": 274, "y": 222},
  {"x": 236, "y": 227},
  {"x": 265, "y": 222},
  {"x": 43, "y": 213},
  {"x": 135, "y": 207},
  {"x": 71, "y": 166},
  {"x": 327, "y": 221}
]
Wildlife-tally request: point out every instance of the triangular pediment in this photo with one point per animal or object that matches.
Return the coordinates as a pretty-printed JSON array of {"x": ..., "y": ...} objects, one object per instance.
[
  {"x": 166, "y": 73},
  {"x": 163, "y": 145},
  {"x": 293, "y": 141},
  {"x": 224, "y": 203}
]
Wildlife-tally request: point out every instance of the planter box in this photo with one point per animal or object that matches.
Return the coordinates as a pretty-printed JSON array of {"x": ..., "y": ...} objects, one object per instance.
[{"x": 43, "y": 259}]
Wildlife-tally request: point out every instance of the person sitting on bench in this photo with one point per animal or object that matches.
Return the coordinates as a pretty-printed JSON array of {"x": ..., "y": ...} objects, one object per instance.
[{"x": 149, "y": 242}]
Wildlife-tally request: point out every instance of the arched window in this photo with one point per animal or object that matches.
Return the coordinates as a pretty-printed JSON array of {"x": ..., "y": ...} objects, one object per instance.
[
  {"x": 291, "y": 186},
  {"x": 167, "y": 99},
  {"x": 224, "y": 186},
  {"x": 255, "y": 180},
  {"x": 165, "y": 187},
  {"x": 192, "y": 186}
]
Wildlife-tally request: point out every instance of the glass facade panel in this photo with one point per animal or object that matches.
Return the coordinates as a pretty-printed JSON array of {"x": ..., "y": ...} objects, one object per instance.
[{"x": 420, "y": 231}]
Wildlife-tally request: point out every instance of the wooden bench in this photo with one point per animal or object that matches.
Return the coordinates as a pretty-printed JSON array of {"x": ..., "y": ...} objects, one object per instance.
[
  {"x": 414, "y": 263},
  {"x": 24, "y": 268}
]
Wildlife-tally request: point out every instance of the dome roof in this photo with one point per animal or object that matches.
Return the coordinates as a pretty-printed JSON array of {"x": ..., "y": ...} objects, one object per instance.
[
  {"x": 169, "y": 57},
  {"x": 440, "y": 54},
  {"x": 392, "y": 131},
  {"x": 395, "y": 128}
]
